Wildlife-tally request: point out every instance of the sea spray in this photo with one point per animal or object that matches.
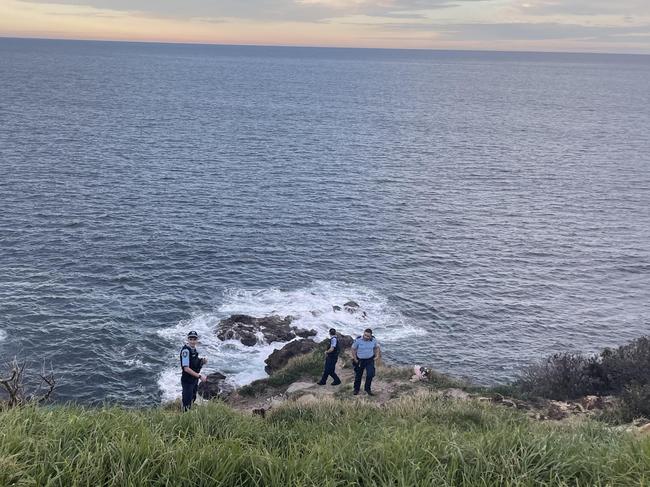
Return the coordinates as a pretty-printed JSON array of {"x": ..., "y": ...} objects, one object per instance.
[{"x": 312, "y": 308}]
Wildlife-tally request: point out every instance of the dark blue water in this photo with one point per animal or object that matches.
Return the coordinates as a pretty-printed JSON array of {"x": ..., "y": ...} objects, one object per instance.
[{"x": 486, "y": 209}]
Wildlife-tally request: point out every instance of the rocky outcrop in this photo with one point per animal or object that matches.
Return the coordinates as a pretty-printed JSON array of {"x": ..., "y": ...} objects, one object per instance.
[
  {"x": 303, "y": 333},
  {"x": 351, "y": 307},
  {"x": 248, "y": 329},
  {"x": 215, "y": 387},
  {"x": 345, "y": 341},
  {"x": 280, "y": 357}
]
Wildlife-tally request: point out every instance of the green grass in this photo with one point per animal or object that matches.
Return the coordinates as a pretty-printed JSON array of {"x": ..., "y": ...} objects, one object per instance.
[
  {"x": 409, "y": 442},
  {"x": 309, "y": 366}
]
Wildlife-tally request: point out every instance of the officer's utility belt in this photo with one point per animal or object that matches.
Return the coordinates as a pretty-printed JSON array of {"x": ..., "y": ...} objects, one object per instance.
[{"x": 369, "y": 358}]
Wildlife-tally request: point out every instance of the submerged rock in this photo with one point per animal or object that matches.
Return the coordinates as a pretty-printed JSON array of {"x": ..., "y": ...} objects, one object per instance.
[{"x": 248, "y": 329}]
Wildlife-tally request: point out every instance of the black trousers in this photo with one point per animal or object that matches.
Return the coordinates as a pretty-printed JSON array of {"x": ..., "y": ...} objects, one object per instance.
[
  {"x": 367, "y": 364},
  {"x": 330, "y": 366},
  {"x": 189, "y": 393}
]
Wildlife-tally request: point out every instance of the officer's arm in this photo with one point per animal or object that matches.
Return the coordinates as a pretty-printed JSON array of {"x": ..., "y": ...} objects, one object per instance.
[
  {"x": 332, "y": 346},
  {"x": 354, "y": 352},
  {"x": 192, "y": 373},
  {"x": 377, "y": 351},
  {"x": 185, "y": 363}
]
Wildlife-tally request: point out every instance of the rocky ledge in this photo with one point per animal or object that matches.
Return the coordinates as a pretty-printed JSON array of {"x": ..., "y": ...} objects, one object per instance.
[{"x": 249, "y": 330}]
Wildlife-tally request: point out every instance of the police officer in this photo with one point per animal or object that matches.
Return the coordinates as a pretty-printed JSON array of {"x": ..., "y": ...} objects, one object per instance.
[
  {"x": 331, "y": 356},
  {"x": 364, "y": 351},
  {"x": 191, "y": 365}
]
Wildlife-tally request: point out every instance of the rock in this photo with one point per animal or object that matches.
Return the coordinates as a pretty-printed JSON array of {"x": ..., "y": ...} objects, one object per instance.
[
  {"x": 454, "y": 393},
  {"x": 215, "y": 387},
  {"x": 246, "y": 329},
  {"x": 351, "y": 306},
  {"x": 591, "y": 402},
  {"x": 557, "y": 410},
  {"x": 277, "y": 401},
  {"x": 522, "y": 405},
  {"x": 303, "y": 333},
  {"x": 345, "y": 341},
  {"x": 215, "y": 376},
  {"x": 509, "y": 403},
  {"x": 644, "y": 430},
  {"x": 336, "y": 308},
  {"x": 497, "y": 398},
  {"x": 299, "y": 386},
  {"x": 576, "y": 407},
  {"x": 307, "y": 399},
  {"x": 280, "y": 357}
]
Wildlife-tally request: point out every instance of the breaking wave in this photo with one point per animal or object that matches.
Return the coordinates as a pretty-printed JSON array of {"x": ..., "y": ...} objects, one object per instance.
[{"x": 311, "y": 307}]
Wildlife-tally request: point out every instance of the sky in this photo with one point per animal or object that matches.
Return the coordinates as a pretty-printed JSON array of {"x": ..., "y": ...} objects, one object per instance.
[{"x": 616, "y": 26}]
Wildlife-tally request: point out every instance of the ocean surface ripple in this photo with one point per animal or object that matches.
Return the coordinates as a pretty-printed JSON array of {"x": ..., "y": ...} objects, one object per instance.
[{"x": 485, "y": 209}]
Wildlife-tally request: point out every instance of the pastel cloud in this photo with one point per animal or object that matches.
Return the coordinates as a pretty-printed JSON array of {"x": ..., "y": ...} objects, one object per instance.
[{"x": 585, "y": 25}]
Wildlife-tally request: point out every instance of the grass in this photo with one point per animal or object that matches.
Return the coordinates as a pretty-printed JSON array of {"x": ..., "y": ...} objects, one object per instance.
[
  {"x": 309, "y": 366},
  {"x": 409, "y": 442}
]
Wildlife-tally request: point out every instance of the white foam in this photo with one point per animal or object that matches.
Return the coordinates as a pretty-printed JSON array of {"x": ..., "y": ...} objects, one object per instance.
[
  {"x": 3, "y": 335},
  {"x": 134, "y": 363},
  {"x": 312, "y": 308}
]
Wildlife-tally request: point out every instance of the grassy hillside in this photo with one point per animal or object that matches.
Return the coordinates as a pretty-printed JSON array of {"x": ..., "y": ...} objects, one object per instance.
[{"x": 410, "y": 442}]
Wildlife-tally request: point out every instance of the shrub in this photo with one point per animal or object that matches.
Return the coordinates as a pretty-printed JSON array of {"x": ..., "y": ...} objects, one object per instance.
[
  {"x": 18, "y": 392},
  {"x": 568, "y": 375},
  {"x": 562, "y": 376},
  {"x": 626, "y": 365},
  {"x": 635, "y": 402}
]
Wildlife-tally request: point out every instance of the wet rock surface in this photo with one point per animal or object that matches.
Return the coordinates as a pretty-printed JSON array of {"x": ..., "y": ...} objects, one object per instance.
[
  {"x": 280, "y": 357},
  {"x": 248, "y": 329},
  {"x": 215, "y": 387}
]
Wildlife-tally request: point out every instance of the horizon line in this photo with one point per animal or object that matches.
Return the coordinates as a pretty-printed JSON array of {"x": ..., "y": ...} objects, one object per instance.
[{"x": 217, "y": 44}]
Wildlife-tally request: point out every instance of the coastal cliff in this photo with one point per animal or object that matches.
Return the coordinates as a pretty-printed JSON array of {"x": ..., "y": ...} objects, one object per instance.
[{"x": 421, "y": 428}]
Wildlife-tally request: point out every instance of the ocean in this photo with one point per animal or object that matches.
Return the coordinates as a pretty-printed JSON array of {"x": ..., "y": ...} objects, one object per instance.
[{"x": 485, "y": 209}]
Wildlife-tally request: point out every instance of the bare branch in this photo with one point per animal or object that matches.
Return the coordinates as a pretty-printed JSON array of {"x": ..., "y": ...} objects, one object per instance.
[{"x": 16, "y": 389}]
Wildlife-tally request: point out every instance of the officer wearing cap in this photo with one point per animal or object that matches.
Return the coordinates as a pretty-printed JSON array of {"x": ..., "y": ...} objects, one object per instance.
[
  {"x": 364, "y": 351},
  {"x": 331, "y": 356},
  {"x": 191, "y": 365}
]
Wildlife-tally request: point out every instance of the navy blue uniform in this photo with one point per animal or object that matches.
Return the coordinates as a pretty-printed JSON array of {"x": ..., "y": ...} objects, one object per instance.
[
  {"x": 330, "y": 363},
  {"x": 189, "y": 358}
]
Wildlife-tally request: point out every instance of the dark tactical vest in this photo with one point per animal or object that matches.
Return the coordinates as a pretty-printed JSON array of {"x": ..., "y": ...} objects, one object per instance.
[
  {"x": 337, "y": 348},
  {"x": 195, "y": 364}
]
